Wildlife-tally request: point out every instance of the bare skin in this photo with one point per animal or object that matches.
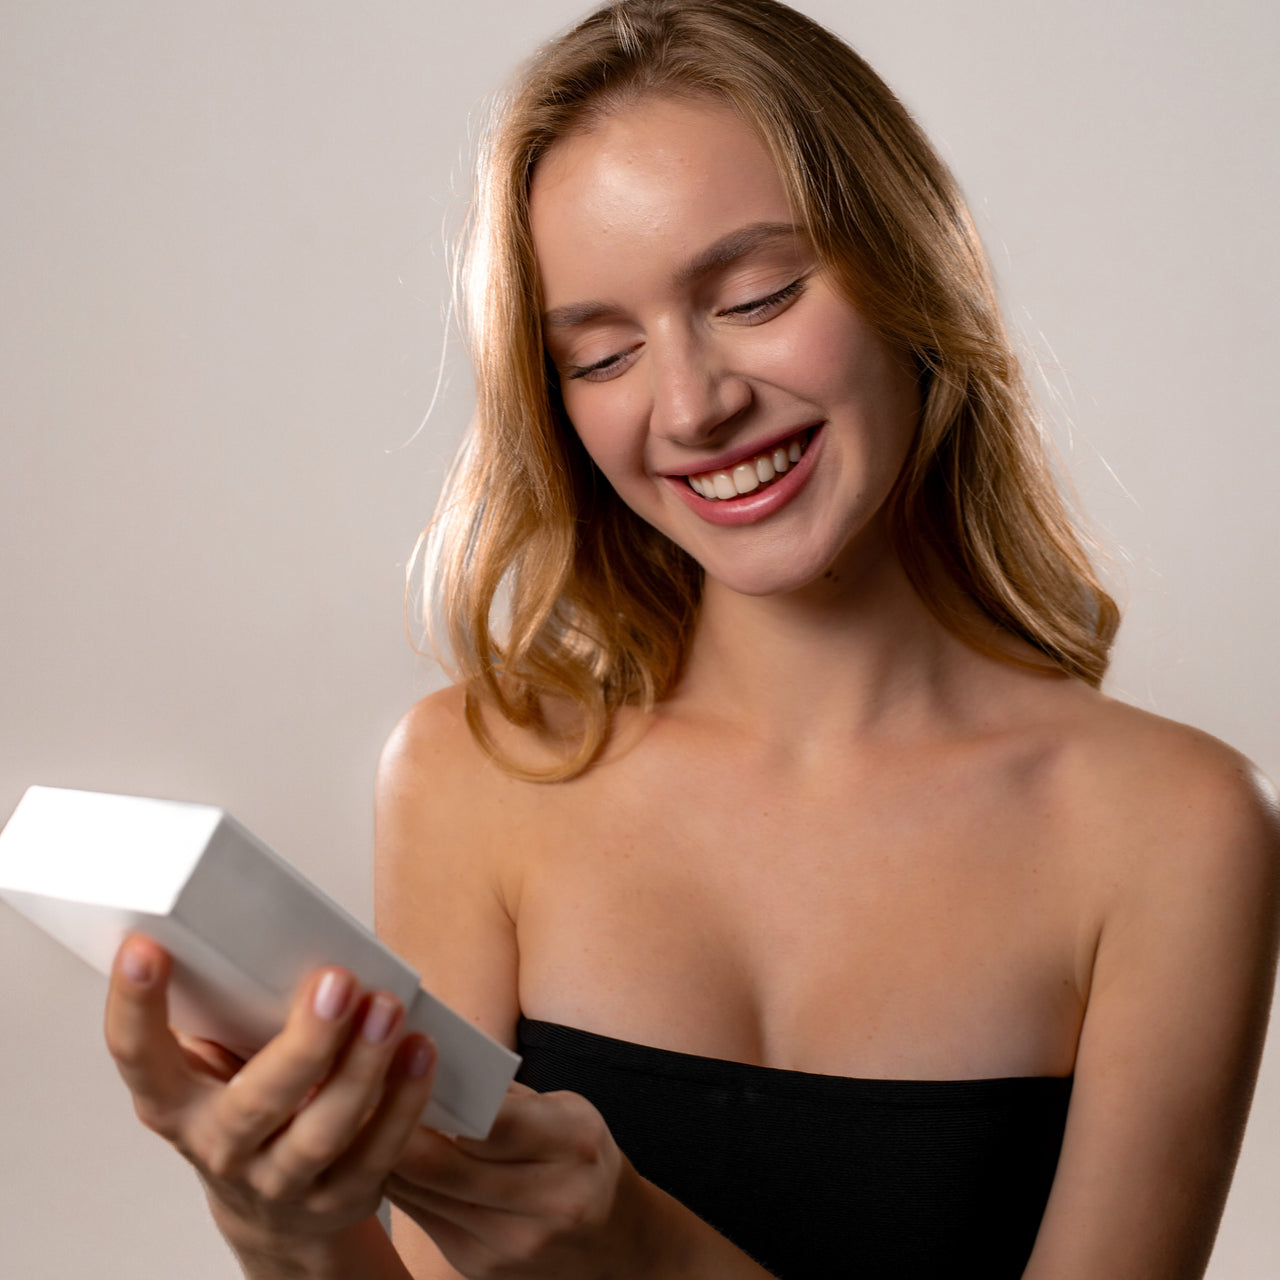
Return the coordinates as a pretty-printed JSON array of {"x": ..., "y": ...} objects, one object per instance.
[
  {"x": 988, "y": 871},
  {"x": 959, "y": 947}
]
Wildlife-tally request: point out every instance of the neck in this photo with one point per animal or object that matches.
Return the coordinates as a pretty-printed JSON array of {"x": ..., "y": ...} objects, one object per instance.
[{"x": 855, "y": 656}]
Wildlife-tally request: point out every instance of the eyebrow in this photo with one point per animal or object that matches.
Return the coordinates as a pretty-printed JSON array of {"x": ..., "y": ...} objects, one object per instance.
[{"x": 723, "y": 253}]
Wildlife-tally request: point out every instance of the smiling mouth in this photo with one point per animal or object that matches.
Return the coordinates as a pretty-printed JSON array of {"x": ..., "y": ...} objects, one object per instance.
[{"x": 751, "y": 473}]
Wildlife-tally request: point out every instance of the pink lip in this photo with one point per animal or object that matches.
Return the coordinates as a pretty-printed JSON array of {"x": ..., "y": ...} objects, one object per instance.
[
  {"x": 750, "y": 507},
  {"x": 734, "y": 456}
]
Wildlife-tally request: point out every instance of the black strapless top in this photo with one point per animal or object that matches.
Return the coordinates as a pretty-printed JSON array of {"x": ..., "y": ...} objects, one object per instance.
[{"x": 818, "y": 1177}]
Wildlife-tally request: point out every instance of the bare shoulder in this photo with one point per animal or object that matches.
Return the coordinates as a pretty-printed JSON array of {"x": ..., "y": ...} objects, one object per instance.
[
  {"x": 1177, "y": 838},
  {"x": 444, "y": 886},
  {"x": 1169, "y": 792},
  {"x": 442, "y": 803},
  {"x": 432, "y": 740}
]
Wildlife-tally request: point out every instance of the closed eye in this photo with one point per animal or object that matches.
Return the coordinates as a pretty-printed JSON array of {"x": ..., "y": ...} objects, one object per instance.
[
  {"x": 593, "y": 372},
  {"x": 752, "y": 312},
  {"x": 762, "y": 308}
]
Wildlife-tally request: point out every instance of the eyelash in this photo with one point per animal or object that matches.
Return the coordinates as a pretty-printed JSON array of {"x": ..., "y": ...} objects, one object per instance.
[
  {"x": 758, "y": 309},
  {"x": 762, "y": 305}
]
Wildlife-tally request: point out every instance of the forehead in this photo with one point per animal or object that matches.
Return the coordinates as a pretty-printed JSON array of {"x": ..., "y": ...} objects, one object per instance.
[{"x": 653, "y": 181}]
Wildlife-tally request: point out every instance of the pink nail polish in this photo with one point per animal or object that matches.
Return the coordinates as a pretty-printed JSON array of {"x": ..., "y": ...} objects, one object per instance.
[
  {"x": 420, "y": 1059},
  {"x": 136, "y": 965},
  {"x": 379, "y": 1017},
  {"x": 331, "y": 996}
]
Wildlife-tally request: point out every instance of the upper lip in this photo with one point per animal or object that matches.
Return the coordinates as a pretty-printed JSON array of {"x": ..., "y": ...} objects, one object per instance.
[{"x": 731, "y": 457}]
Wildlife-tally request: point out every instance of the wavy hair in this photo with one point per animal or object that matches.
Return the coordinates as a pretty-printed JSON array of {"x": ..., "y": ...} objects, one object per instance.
[{"x": 599, "y": 605}]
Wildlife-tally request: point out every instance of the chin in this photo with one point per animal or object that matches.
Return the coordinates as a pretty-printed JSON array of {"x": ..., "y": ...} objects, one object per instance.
[{"x": 761, "y": 580}]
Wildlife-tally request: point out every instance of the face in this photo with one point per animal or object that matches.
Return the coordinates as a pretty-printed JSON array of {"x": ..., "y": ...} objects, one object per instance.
[{"x": 714, "y": 372}]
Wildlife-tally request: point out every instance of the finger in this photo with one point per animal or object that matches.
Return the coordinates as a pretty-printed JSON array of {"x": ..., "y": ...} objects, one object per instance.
[
  {"x": 411, "y": 1197},
  {"x": 137, "y": 1032},
  {"x": 328, "y": 1124},
  {"x": 208, "y": 1057},
  {"x": 436, "y": 1173},
  {"x": 268, "y": 1090},
  {"x": 473, "y": 1237},
  {"x": 393, "y": 1124},
  {"x": 533, "y": 1126}
]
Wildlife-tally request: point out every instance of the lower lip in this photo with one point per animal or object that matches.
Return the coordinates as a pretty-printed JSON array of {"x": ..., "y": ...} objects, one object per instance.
[{"x": 747, "y": 508}]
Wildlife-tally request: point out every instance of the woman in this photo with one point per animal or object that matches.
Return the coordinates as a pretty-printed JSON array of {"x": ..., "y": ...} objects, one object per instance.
[{"x": 785, "y": 830}]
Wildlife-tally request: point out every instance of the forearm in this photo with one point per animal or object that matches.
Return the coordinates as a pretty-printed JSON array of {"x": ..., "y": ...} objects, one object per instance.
[
  {"x": 360, "y": 1252},
  {"x": 687, "y": 1248}
]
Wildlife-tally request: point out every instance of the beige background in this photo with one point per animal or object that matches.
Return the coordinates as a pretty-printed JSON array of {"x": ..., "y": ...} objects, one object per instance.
[{"x": 221, "y": 264}]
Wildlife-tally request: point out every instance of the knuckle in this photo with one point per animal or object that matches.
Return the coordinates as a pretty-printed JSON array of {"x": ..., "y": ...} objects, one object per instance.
[
  {"x": 125, "y": 1050},
  {"x": 528, "y": 1240},
  {"x": 312, "y": 1151},
  {"x": 586, "y": 1133},
  {"x": 585, "y": 1149},
  {"x": 578, "y": 1209},
  {"x": 250, "y": 1117},
  {"x": 324, "y": 1202},
  {"x": 574, "y": 1107},
  {"x": 220, "y": 1157},
  {"x": 273, "y": 1183},
  {"x": 310, "y": 1057},
  {"x": 566, "y": 1210},
  {"x": 299, "y": 1163},
  {"x": 215, "y": 1147},
  {"x": 333, "y": 1199}
]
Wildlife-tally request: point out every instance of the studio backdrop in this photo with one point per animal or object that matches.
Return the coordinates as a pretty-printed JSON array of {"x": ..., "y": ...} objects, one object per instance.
[{"x": 223, "y": 270}]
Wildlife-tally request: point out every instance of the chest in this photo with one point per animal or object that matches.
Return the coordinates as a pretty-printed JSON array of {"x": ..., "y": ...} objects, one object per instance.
[{"x": 895, "y": 920}]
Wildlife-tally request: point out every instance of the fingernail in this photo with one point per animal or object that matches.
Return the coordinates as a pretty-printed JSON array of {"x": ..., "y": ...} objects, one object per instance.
[
  {"x": 136, "y": 965},
  {"x": 379, "y": 1017},
  {"x": 332, "y": 993},
  {"x": 421, "y": 1058}
]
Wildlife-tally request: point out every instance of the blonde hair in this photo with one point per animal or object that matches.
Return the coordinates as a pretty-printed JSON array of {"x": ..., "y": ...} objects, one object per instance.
[{"x": 600, "y": 605}]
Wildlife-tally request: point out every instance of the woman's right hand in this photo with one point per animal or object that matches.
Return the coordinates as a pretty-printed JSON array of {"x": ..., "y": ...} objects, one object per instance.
[{"x": 295, "y": 1146}]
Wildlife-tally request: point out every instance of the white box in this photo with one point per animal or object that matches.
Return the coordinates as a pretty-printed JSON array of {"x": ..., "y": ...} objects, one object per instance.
[{"x": 243, "y": 926}]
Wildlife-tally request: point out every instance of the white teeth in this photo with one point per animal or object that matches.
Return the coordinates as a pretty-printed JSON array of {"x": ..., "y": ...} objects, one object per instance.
[{"x": 748, "y": 476}]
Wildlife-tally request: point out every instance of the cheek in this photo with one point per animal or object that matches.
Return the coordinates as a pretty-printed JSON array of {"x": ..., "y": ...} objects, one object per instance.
[
  {"x": 604, "y": 424},
  {"x": 842, "y": 356},
  {"x": 822, "y": 359},
  {"x": 850, "y": 368}
]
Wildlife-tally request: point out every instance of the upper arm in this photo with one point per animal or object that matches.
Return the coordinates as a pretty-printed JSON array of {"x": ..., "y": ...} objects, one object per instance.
[
  {"x": 442, "y": 888},
  {"x": 442, "y": 896},
  {"x": 1172, "y": 1035}
]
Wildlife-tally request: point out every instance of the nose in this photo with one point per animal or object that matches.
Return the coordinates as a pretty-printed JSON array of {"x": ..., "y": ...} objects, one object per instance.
[{"x": 694, "y": 391}]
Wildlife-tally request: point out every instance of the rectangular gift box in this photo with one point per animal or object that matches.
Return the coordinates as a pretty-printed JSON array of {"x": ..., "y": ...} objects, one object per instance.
[{"x": 243, "y": 926}]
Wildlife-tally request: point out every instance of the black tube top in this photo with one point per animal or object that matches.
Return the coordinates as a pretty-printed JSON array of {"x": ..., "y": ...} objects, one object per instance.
[{"x": 818, "y": 1177}]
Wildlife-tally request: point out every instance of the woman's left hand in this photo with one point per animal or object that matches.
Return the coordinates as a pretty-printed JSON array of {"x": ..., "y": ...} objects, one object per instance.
[{"x": 547, "y": 1195}]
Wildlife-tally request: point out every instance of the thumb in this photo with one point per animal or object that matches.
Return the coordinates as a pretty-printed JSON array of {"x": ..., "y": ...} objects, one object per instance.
[{"x": 147, "y": 1055}]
